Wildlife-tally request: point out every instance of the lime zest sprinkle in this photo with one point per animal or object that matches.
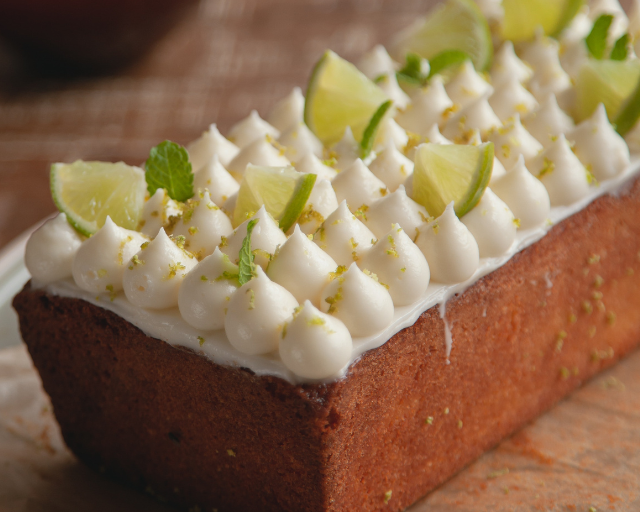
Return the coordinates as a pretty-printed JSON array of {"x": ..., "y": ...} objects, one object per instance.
[{"x": 200, "y": 340}]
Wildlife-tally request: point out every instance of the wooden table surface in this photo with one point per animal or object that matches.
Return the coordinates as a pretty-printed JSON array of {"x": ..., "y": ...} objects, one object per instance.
[{"x": 225, "y": 58}]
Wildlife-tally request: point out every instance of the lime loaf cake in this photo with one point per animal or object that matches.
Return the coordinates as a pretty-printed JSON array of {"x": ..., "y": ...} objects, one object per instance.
[{"x": 340, "y": 305}]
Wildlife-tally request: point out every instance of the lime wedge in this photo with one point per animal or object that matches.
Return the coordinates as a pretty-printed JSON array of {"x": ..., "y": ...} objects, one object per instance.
[
  {"x": 282, "y": 190},
  {"x": 339, "y": 95},
  {"x": 611, "y": 82},
  {"x": 522, "y": 17},
  {"x": 455, "y": 25},
  {"x": 89, "y": 191},
  {"x": 445, "y": 173},
  {"x": 629, "y": 113}
]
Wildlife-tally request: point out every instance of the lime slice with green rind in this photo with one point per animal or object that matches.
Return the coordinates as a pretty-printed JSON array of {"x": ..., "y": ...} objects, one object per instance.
[
  {"x": 451, "y": 172},
  {"x": 89, "y": 191},
  {"x": 339, "y": 95},
  {"x": 455, "y": 25},
  {"x": 610, "y": 82},
  {"x": 283, "y": 192},
  {"x": 629, "y": 113},
  {"x": 523, "y": 17}
]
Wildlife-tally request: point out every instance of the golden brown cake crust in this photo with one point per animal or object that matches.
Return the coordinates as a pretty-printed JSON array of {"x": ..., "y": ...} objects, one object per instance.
[{"x": 402, "y": 422}]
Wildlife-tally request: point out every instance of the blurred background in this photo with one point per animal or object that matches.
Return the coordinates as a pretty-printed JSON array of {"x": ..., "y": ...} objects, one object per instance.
[{"x": 107, "y": 80}]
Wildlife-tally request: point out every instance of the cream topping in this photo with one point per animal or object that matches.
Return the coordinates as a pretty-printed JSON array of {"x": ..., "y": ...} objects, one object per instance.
[
  {"x": 315, "y": 345},
  {"x": 202, "y": 224},
  {"x": 343, "y": 236},
  {"x": 561, "y": 173},
  {"x": 300, "y": 141},
  {"x": 206, "y": 291},
  {"x": 492, "y": 225},
  {"x": 510, "y": 97},
  {"x": 513, "y": 140},
  {"x": 426, "y": 109},
  {"x": 467, "y": 86},
  {"x": 475, "y": 116},
  {"x": 389, "y": 130},
  {"x": 346, "y": 150},
  {"x": 507, "y": 66},
  {"x": 548, "y": 76},
  {"x": 376, "y": 62},
  {"x": 400, "y": 265},
  {"x": 548, "y": 121},
  {"x": 100, "y": 261},
  {"x": 265, "y": 238},
  {"x": 359, "y": 301},
  {"x": 358, "y": 186},
  {"x": 154, "y": 274},
  {"x": 389, "y": 85},
  {"x": 398, "y": 208},
  {"x": 301, "y": 267},
  {"x": 311, "y": 164},
  {"x": 491, "y": 9},
  {"x": 211, "y": 143},
  {"x": 259, "y": 152},
  {"x": 156, "y": 212},
  {"x": 579, "y": 27},
  {"x": 322, "y": 202},
  {"x": 287, "y": 112},
  {"x": 256, "y": 315},
  {"x": 217, "y": 180},
  {"x": 524, "y": 194},
  {"x": 251, "y": 128},
  {"x": 51, "y": 249},
  {"x": 498, "y": 170},
  {"x": 450, "y": 248},
  {"x": 599, "y": 147},
  {"x": 391, "y": 166}
]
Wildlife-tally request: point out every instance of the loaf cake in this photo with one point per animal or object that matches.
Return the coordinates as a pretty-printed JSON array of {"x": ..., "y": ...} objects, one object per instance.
[{"x": 312, "y": 313}]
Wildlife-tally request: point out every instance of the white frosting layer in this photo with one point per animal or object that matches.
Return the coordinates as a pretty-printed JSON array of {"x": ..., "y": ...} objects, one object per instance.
[
  {"x": 513, "y": 140},
  {"x": 389, "y": 84},
  {"x": 288, "y": 112},
  {"x": 426, "y": 109},
  {"x": 548, "y": 121},
  {"x": 211, "y": 143},
  {"x": 477, "y": 115},
  {"x": 251, "y": 128},
  {"x": 467, "y": 85},
  {"x": 300, "y": 141},
  {"x": 507, "y": 66},
  {"x": 168, "y": 325},
  {"x": 390, "y": 130},
  {"x": 217, "y": 180},
  {"x": 510, "y": 97},
  {"x": 376, "y": 62},
  {"x": 358, "y": 186},
  {"x": 394, "y": 208},
  {"x": 391, "y": 166},
  {"x": 156, "y": 212},
  {"x": 321, "y": 203},
  {"x": 258, "y": 152},
  {"x": 346, "y": 150},
  {"x": 311, "y": 164}
]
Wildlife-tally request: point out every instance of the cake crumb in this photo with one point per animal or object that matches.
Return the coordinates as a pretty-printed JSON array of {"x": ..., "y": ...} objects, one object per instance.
[
  {"x": 564, "y": 373},
  {"x": 200, "y": 340},
  {"x": 593, "y": 509},
  {"x": 429, "y": 420},
  {"x": 496, "y": 474},
  {"x": 231, "y": 453},
  {"x": 629, "y": 271},
  {"x": 446, "y": 410},
  {"x": 387, "y": 496},
  {"x": 611, "y": 318},
  {"x": 598, "y": 281},
  {"x": 613, "y": 383},
  {"x": 573, "y": 318},
  {"x": 587, "y": 307},
  {"x": 593, "y": 259},
  {"x": 592, "y": 331},
  {"x": 459, "y": 423}
]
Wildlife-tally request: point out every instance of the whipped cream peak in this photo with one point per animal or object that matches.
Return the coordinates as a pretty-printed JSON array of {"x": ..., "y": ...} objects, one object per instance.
[
  {"x": 477, "y": 115},
  {"x": 251, "y": 128},
  {"x": 358, "y": 186},
  {"x": 634, "y": 20},
  {"x": 391, "y": 166},
  {"x": 154, "y": 274},
  {"x": 377, "y": 62},
  {"x": 599, "y": 147},
  {"x": 399, "y": 264},
  {"x": 548, "y": 121},
  {"x": 389, "y": 129},
  {"x": 258, "y": 152},
  {"x": 561, "y": 172},
  {"x": 299, "y": 141},
  {"x": 202, "y": 224},
  {"x": 434, "y": 136},
  {"x": 398, "y": 208},
  {"x": 492, "y": 10},
  {"x": 361, "y": 302},
  {"x": 428, "y": 106},
  {"x": 211, "y": 143},
  {"x": 301, "y": 267},
  {"x": 467, "y": 85},
  {"x": 389, "y": 85},
  {"x": 450, "y": 248},
  {"x": 206, "y": 291},
  {"x": 217, "y": 180},
  {"x": 343, "y": 236},
  {"x": 513, "y": 140},
  {"x": 287, "y": 112},
  {"x": 156, "y": 212},
  {"x": 507, "y": 66},
  {"x": 100, "y": 261},
  {"x": 346, "y": 150},
  {"x": 321, "y": 203},
  {"x": 524, "y": 194},
  {"x": 315, "y": 345},
  {"x": 256, "y": 314},
  {"x": 51, "y": 249},
  {"x": 492, "y": 225},
  {"x": 579, "y": 27},
  {"x": 548, "y": 75},
  {"x": 510, "y": 97},
  {"x": 311, "y": 164},
  {"x": 265, "y": 238}
]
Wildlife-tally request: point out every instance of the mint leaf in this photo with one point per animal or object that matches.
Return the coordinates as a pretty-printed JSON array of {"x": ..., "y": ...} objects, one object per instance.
[
  {"x": 446, "y": 59},
  {"x": 629, "y": 113},
  {"x": 168, "y": 167},
  {"x": 412, "y": 71},
  {"x": 620, "y": 49},
  {"x": 366, "y": 144},
  {"x": 246, "y": 266},
  {"x": 597, "y": 39}
]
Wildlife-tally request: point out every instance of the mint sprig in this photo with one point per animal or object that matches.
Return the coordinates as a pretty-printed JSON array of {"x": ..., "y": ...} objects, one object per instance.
[
  {"x": 446, "y": 59},
  {"x": 620, "y": 49},
  {"x": 168, "y": 167},
  {"x": 597, "y": 39},
  {"x": 246, "y": 266},
  {"x": 412, "y": 72},
  {"x": 369, "y": 135}
]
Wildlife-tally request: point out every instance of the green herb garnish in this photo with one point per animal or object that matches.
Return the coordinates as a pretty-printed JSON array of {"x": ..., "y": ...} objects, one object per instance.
[
  {"x": 413, "y": 72},
  {"x": 246, "y": 266},
  {"x": 168, "y": 167},
  {"x": 597, "y": 39},
  {"x": 620, "y": 49},
  {"x": 447, "y": 59}
]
